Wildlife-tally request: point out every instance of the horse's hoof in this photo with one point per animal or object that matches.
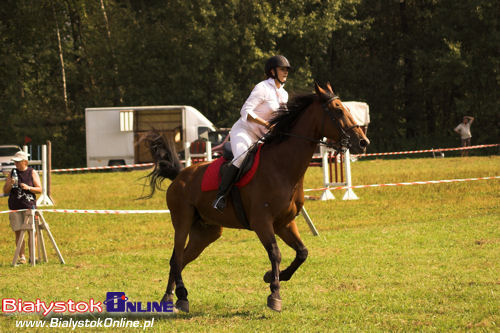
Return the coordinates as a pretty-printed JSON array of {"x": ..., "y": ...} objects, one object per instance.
[
  {"x": 274, "y": 303},
  {"x": 167, "y": 298},
  {"x": 182, "y": 305},
  {"x": 268, "y": 277}
]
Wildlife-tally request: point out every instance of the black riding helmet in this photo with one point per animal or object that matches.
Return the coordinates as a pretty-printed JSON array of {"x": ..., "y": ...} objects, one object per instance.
[{"x": 275, "y": 61}]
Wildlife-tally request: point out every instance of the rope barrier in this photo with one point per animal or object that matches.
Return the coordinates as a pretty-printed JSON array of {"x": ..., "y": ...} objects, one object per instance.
[
  {"x": 427, "y": 150},
  {"x": 129, "y": 166},
  {"x": 105, "y": 167},
  {"x": 93, "y": 211},
  {"x": 403, "y": 184},
  {"x": 107, "y": 211}
]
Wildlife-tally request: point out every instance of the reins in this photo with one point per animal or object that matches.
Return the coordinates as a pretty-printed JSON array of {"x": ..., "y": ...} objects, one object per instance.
[{"x": 344, "y": 143}]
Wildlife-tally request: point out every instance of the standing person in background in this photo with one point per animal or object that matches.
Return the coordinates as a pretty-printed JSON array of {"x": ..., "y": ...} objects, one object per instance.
[
  {"x": 266, "y": 98},
  {"x": 21, "y": 195},
  {"x": 463, "y": 129}
]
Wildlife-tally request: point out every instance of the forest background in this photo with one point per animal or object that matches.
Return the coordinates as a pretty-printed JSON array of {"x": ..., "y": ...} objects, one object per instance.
[{"x": 421, "y": 65}]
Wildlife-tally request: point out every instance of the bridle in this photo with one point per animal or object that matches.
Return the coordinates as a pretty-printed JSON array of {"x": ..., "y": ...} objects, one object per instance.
[{"x": 344, "y": 143}]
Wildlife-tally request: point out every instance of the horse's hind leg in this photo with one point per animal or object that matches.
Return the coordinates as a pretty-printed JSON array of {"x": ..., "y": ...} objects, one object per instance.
[
  {"x": 200, "y": 236},
  {"x": 290, "y": 235}
]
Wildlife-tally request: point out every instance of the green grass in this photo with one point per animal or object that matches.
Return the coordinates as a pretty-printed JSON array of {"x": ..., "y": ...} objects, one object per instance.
[{"x": 412, "y": 258}]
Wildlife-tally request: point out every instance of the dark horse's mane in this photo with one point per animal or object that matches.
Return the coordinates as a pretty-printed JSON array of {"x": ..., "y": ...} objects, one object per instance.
[{"x": 284, "y": 119}]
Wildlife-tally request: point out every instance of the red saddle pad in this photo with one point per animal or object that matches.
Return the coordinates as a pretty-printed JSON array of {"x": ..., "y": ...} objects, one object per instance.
[{"x": 211, "y": 177}]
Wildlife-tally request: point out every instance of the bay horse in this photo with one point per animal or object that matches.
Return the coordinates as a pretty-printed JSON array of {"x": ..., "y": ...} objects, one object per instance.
[{"x": 272, "y": 199}]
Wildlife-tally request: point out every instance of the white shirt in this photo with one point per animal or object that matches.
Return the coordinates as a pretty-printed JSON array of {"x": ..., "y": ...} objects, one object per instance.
[
  {"x": 464, "y": 130},
  {"x": 263, "y": 101}
]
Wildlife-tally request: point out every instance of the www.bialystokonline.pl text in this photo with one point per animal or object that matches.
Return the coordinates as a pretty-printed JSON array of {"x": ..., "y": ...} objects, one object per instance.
[{"x": 87, "y": 323}]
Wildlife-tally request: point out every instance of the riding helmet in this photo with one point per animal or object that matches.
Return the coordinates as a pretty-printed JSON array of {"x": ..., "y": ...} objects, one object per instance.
[{"x": 276, "y": 61}]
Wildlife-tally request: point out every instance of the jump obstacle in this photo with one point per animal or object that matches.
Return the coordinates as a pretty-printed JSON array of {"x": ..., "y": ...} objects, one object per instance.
[
  {"x": 197, "y": 150},
  {"x": 341, "y": 163}
]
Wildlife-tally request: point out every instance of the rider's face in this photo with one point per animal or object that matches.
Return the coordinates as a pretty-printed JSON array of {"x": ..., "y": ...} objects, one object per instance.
[{"x": 282, "y": 73}]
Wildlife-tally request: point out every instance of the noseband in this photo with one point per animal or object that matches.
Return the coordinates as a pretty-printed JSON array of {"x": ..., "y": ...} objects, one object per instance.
[{"x": 344, "y": 143}]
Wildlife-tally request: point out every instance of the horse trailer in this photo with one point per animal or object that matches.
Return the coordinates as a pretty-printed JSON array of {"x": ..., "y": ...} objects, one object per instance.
[{"x": 114, "y": 135}]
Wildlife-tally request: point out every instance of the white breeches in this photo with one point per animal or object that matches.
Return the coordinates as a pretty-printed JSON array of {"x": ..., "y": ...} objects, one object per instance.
[{"x": 242, "y": 138}]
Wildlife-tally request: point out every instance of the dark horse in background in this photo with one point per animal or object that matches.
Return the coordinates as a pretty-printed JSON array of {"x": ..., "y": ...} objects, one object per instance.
[{"x": 272, "y": 199}]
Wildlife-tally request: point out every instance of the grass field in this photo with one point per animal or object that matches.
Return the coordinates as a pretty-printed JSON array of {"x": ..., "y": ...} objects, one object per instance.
[{"x": 412, "y": 258}]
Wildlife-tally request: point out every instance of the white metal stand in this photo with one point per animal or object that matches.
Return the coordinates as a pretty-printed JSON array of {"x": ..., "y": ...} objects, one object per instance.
[
  {"x": 349, "y": 193},
  {"x": 327, "y": 194},
  {"x": 44, "y": 199}
]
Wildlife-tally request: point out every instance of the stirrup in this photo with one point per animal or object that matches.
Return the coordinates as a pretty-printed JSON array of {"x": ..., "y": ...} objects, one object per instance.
[{"x": 220, "y": 203}]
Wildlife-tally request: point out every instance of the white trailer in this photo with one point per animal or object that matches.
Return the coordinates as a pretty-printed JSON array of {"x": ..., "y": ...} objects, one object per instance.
[{"x": 114, "y": 135}]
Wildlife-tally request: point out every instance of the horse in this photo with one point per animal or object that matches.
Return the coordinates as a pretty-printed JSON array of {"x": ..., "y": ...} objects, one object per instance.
[{"x": 272, "y": 199}]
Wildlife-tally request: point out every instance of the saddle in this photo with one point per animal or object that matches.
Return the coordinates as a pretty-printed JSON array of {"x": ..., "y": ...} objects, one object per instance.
[
  {"x": 246, "y": 166},
  {"x": 213, "y": 174}
]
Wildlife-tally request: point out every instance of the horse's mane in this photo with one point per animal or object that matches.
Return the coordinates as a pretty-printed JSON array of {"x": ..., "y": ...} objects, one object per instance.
[{"x": 283, "y": 120}]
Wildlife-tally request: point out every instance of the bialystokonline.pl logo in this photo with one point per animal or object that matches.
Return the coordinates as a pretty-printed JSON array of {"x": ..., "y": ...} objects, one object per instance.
[{"x": 116, "y": 304}]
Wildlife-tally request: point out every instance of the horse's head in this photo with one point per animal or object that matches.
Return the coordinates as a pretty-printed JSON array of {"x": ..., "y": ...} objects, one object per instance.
[{"x": 338, "y": 123}]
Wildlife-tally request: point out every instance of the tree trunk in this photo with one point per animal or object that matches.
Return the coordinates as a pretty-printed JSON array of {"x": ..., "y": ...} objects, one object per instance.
[
  {"x": 61, "y": 58},
  {"x": 118, "y": 98}
]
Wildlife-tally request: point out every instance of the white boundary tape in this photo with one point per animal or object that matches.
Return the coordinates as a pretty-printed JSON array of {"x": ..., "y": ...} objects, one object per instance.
[
  {"x": 427, "y": 150},
  {"x": 404, "y": 184},
  {"x": 107, "y": 211},
  {"x": 94, "y": 211},
  {"x": 105, "y": 167},
  {"x": 360, "y": 155}
]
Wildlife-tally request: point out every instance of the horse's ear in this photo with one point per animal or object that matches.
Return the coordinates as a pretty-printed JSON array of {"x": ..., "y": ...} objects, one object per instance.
[
  {"x": 319, "y": 91},
  {"x": 329, "y": 87}
]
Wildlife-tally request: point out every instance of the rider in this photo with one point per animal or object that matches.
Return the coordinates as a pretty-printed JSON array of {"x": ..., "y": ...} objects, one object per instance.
[{"x": 266, "y": 98}]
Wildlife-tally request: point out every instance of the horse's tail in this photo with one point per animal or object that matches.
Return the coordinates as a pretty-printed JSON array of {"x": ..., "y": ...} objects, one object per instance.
[{"x": 166, "y": 161}]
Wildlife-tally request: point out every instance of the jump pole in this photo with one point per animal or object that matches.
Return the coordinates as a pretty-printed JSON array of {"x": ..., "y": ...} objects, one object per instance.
[{"x": 310, "y": 223}]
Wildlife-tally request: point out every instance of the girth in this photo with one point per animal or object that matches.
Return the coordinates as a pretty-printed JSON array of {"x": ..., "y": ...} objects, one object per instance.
[{"x": 239, "y": 209}]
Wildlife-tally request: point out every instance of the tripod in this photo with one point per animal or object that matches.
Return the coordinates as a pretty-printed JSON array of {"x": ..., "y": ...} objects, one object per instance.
[{"x": 34, "y": 224}]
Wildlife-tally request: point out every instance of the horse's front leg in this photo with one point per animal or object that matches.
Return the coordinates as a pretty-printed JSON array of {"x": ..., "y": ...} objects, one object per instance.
[
  {"x": 290, "y": 235},
  {"x": 266, "y": 236},
  {"x": 274, "y": 300}
]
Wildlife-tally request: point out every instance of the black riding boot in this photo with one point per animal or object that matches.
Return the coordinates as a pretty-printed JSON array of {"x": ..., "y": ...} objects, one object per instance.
[{"x": 225, "y": 185}]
